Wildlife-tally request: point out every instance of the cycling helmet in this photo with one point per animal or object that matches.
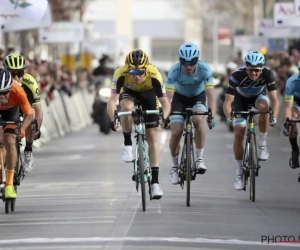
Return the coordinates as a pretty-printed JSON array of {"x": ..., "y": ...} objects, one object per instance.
[
  {"x": 231, "y": 65},
  {"x": 14, "y": 62},
  {"x": 137, "y": 59},
  {"x": 255, "y": 58},
  {"x": 5, "y": 80},
  {"x": 188, "y": 51}
]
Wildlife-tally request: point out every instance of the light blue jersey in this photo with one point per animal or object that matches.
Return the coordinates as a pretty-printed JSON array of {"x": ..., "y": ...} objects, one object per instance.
[
  {"x": 292, "y": 88},
  {"x": 189, "y": 85},
  {"x": 292, "y": 91}
]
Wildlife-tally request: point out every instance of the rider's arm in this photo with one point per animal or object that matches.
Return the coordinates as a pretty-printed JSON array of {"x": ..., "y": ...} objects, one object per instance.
[
  {"x": 31, "y": 88},
  {"x": 170, "y": 86},
  {"x": 289, "y": 98},
  {"x": 274, "y": 102},
  {"x": 160, "y": 90},
  {"x": 210, "y": 92},
  {"x": 229, "y": 97},
  {"x": 37, "y": 106},
  {"x": 116, "y": 85},
  {"x": 272, "y": 92},
  {"x": 38, "y": 114},
  {"x": 26, "y": 109}
]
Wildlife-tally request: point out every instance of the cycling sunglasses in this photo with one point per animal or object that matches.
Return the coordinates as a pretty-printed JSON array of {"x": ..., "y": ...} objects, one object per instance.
[
  {"x": 5, "y": 92},
  {"x": 254, "y": 70},
  {"x": 136, "y": 72},
  {"x": 17, "y": 73},
  {"x": 193, "y": 62}
]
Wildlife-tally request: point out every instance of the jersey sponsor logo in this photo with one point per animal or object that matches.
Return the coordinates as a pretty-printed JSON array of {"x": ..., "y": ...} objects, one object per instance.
[
  {"x": 129, "y": 85},
  {"x": 233, "y": 79},
  {"x": 26, "y": 80}
]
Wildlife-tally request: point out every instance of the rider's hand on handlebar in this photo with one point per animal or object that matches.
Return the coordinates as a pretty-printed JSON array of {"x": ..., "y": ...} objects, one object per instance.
[
  {"x": 273, "y": 122},
  {"x": 114, "y": 126},
  {"x": 210, "y": 122},
  {"x": 230, "y": 121},
  {"x": 286, "y": 129},
  {"x": 164, "y": 123},
  {"x": 21, "y": 134}
]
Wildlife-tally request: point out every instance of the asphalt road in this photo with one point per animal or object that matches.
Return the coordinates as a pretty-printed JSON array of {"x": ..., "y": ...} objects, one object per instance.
[{"x": 80, "y": 196}]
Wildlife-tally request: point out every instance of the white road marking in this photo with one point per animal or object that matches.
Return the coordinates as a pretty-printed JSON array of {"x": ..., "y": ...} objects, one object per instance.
[
  {"x": 56, "y": 223},
  {"x": 59, "y": 218},
  {"x": 143, "y": 239}
]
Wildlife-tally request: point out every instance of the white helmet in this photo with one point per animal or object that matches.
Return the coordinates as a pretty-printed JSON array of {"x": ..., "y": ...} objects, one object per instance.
[
  {"x": 5, "y": 80},
  {"x": 231, "y": 65}
]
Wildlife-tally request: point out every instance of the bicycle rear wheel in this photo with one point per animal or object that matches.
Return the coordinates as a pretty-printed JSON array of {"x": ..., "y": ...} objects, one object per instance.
[
  {"x": 188, "y": 172},
  {"x": 252, "y": 166},
  {"x": 142, "y": 170}
]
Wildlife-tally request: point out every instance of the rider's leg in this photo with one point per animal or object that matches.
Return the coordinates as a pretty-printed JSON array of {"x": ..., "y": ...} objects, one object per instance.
[
  {"x": 9, "y": 140},
  {"x": 149, "y": 101},
  {"x": 262, "y": 104},
  {"x": 28, "y": 158},
  {"x": 127, "y": 104},
  {"x": 293, "y": 137},
  {"x": 199, "y": 106}
]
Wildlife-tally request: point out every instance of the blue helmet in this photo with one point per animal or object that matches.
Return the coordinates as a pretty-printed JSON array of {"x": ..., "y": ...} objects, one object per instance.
[
  {"x": 255, "y": 58},
  {"x": 188, "y": 51}
]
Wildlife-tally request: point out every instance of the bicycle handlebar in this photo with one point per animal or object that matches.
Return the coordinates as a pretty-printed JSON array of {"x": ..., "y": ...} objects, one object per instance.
[
  {"x": 137, "y": 113},
  {"x": 191, "y": 112},
  {"x": 288, "y": 120},
  {"x": 253, "y": 111}
]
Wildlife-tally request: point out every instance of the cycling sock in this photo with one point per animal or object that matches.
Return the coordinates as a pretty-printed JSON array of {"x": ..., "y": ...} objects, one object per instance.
[
  {"x": 10, "y": 178},
  {"x": 175, "y": 160},
  {"x": 28, "y": 146},
  {"x": 294, "y": 144},
  {"x": 239, "y": 170},
  {"x": 199, "y": 153},
  {"x": 263, "y": 139},
  {"x": 127, "y": 139},
  {"x": 155, "y": 171}
]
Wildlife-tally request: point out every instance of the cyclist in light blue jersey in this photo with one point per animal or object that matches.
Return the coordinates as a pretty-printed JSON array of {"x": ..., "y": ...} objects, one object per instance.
[
  {"x": 189, "y": 82},
  {"x": 292, "y": 111}
]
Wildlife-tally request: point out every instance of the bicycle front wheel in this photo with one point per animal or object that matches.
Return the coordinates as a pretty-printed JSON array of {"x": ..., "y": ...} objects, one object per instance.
[
  {"x": 188, "y": 172},
  {"x": 252, "y": 166},
  {"x": 142, "y": 170}
]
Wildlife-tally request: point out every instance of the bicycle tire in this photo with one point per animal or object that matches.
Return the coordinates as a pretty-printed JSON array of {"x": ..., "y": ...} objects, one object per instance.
[
  {"x": 188, "y": 173},
  {"x": 252, "y": 164},
  {"x": 142, "y": 170}
]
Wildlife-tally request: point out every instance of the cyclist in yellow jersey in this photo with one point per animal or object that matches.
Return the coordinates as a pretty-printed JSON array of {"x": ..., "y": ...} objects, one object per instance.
[
  {"x": 138, "y": 79},
  {"x": 16, "y": 65}
]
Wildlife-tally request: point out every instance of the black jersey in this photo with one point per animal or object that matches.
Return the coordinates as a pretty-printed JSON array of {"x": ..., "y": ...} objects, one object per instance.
[{"x": 239, "y": 81}]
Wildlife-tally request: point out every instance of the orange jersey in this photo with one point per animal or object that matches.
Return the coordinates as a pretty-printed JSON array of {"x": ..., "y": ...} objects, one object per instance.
[{"x": 17, "y": 96}]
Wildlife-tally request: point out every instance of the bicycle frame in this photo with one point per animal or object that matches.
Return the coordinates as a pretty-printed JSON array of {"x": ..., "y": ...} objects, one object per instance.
[
  {"x": 182, "y": 166},
  {"x": 142, "y": 171}
]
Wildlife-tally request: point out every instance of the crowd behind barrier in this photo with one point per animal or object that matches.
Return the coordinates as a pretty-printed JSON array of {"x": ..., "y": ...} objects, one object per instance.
[{"x": 66, "y": 97}]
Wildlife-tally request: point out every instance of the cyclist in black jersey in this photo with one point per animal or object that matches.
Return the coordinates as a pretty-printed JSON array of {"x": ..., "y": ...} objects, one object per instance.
[{"x": 253, "y": 85}]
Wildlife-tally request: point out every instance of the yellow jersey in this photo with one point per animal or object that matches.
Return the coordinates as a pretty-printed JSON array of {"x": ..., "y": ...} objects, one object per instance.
[
  {"x": 31, "y": 89},
  {"x": 152, "y": 80}
]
